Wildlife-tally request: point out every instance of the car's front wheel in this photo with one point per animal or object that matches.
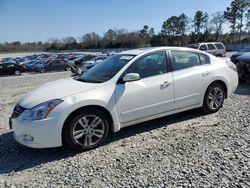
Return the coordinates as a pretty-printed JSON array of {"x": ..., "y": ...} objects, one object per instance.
[
  {"x": 214, "y": 98},
  {"x": 43, "y": 70},
  {"x": 87, "y": 130}
]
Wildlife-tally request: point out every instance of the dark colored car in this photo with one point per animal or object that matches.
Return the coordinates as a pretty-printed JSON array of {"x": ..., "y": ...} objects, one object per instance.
[
  {"x": 55, "y": 65},
  {"x": 11, "y": 68},
  {"x": 236, "y": 55},
  {"x": 243, "y": 67}
]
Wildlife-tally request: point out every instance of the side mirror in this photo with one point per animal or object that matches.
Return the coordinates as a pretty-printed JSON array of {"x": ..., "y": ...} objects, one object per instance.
[{"x": 131, "y": 77}]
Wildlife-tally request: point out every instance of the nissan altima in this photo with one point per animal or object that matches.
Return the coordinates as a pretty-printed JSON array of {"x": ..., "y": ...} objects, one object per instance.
[{"x": 125, "y": 89}]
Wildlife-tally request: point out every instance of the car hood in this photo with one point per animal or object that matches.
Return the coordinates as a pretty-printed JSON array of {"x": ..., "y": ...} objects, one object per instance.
[
  {"x": 55, "y": 90},
  {"x": 245, "y": 57}
]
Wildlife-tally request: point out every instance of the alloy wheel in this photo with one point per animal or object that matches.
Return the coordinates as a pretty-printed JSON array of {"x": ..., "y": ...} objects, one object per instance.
[
  {"x": 88, "y": 130},
  {"x": 215, "y": 98}
]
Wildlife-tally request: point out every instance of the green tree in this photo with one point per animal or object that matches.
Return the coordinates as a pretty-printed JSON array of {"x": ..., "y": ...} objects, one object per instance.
[
  {"x": 200, "y": 21},
  {"x": 217, "y": 24}
]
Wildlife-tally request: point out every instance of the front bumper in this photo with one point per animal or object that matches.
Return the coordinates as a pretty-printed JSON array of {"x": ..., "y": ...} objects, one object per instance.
[{"x": 37, "y": 134}]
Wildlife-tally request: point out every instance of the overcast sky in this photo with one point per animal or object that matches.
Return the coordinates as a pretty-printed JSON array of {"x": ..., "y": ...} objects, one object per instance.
[{"x": 40, "y": 20}]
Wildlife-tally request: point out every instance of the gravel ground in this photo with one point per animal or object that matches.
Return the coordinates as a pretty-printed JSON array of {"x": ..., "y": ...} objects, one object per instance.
[{"x": 189, "y": 149}]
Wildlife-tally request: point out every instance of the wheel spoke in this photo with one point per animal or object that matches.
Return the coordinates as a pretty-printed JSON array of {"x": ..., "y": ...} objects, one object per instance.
[
  {"x": 211, "y": 104},
  {"x": 89, "y": 140},
  {"x": 98, "y": 133},
  {"x": 216, "y": 103},
  {"x": 86, "y": 141},
  {"x": 96, "y": 121},
  {"x": 216, "y": 91},
  {"x": 210, "y": 96},
  {"x": 83, "y": 122},
  {"x": 78, "y": 134}
]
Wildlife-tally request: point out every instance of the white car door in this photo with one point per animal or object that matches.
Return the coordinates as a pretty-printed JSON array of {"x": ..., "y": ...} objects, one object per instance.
[
  {"x": 151, "y": 95},
  {"x": 191, "y": 75}
]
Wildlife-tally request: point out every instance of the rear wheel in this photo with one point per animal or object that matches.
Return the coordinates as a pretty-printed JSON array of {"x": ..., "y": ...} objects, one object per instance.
[
  {"x": 86, "y": 130},
  {"x": 214, "y": 98},
  {"x": 17, "y": 72}
]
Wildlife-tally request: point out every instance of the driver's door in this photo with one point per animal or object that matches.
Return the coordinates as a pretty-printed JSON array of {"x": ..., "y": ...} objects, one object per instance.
[{"x": 151, "y": 95}]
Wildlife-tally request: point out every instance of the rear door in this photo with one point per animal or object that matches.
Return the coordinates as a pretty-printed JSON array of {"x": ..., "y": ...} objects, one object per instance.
[{"x": 191, "y": 75}]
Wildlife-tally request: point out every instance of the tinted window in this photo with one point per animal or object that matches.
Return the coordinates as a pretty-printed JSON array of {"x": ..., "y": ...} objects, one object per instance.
[
  {"x": 1, "y": 66},
  {"x": 10, "y": 65},
  {"x": 203, "y": 47},
  {"x": 106, "y": 70},
  {"x": 219, "y": 46},
  {"x": 210, "y": 46},
  {"x": 149, "y": 65},
  {"x": 203, "y": 59},
  {"x": 183, "y": 59}
]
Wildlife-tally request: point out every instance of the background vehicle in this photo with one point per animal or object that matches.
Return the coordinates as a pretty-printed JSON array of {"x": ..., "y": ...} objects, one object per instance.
[
  {"x": 10, "y": 69},
  {"x": 95, "y": 60},
  {"x": 79, "y": 60},
  {"x": 236, "y": 55},
  {"x": 56, "y": 65},
  {"x": 243, "y": 67},
  {"x": 128, "y": 88},
  {"x": 215, "y": 48}
]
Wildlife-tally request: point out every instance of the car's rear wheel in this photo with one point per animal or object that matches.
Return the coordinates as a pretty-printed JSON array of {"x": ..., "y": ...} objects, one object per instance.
[
  {"x": 88, "y": 129},
  {"x": 68, "y": 68},
  {"x": 214, "y": 98},
  {"x": 43, "y": 70},
  {"x": 17, "y": 72}
]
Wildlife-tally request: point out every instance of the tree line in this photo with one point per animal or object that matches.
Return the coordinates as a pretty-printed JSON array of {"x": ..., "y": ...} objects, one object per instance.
[{"x": 176, "y": 31}]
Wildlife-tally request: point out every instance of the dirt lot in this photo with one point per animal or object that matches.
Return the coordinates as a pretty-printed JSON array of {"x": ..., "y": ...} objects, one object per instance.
[{"x": 189, "y": 149}]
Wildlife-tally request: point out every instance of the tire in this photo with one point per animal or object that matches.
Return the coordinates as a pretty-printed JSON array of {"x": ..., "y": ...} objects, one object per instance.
[
  {"x": 68, "y": 68},
  {"x": 43, "y": 70},
  {"x": 18, "y": 72},
  {"x": 80, "y": 131},
  {"x": 214, "y": 98}
]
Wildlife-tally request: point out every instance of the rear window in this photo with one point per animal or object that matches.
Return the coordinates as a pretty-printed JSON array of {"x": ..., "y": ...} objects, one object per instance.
[
  {"x": 204, "y": 59},
  {"x": 219, "y": 46}
]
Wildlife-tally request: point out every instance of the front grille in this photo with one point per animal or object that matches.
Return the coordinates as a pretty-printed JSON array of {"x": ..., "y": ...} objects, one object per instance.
[{"x": 18, "y": 110}]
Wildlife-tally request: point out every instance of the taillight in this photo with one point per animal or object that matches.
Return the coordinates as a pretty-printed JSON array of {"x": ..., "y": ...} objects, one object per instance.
[{"x": 231, "y": 65}]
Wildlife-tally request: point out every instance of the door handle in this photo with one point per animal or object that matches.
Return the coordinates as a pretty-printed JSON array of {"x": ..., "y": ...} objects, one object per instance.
[
  {"x": 205, "y": 73},
  {"x": 165, "y": 84}
]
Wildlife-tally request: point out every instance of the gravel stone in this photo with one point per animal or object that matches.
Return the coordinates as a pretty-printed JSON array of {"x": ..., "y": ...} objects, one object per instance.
[{"x": 188, "y": 149}]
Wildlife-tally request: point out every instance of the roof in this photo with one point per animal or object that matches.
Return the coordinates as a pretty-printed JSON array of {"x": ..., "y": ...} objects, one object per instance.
[{"x": 143, "y": 50}]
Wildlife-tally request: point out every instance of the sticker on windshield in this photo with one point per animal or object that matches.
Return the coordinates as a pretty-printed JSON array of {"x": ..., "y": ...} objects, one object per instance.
[{"x": 126, "y": 57}]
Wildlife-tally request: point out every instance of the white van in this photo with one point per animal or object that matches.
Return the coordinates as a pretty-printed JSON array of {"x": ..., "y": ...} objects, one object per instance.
[{"x": 215, "y": 48}]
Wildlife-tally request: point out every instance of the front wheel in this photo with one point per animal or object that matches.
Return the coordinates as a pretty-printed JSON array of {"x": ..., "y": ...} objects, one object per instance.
[
  {"x": 43, "y": 70},
  {"x": 214, "y": 98},
  {"x": 68, "y": 68},
  {"x": 87, "y": 130}
]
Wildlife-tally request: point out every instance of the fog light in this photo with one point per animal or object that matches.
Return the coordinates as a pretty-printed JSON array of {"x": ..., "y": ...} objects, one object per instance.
[{"x": 28, "y": 138}]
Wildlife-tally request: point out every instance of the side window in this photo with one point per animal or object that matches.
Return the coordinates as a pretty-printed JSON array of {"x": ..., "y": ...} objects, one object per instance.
[
  {"x": 219, "y": 46},
  {"x": 10, "y": 65},
  {"x": 203, "y": 47},
  {"x": 1, "y": 66},
  {"x": 149, "y": 65},
  {"x": 204, "y": 59},
  {"x": 183, "y": 59},
  {"x": 211, "y": 47}
]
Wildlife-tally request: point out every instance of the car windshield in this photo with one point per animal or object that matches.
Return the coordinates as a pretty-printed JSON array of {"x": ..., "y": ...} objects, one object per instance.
[
  {"x": 247, "y": 49},
  {"x": 106, "y": 70}
]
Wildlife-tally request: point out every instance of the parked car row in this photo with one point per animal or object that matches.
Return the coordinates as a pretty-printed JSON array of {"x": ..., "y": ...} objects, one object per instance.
[{"x": 48, "y": 62}]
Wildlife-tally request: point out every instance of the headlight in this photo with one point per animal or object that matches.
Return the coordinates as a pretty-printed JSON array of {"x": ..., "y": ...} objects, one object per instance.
[{"x": 42, "y": 110}]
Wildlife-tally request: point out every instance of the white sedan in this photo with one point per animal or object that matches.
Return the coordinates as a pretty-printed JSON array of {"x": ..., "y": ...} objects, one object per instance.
[{"x": 127, "y": 88}]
